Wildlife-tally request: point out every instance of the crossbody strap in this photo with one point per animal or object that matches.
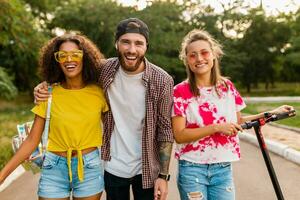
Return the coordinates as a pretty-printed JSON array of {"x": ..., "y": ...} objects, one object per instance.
[{"x": 46, "y": 129}]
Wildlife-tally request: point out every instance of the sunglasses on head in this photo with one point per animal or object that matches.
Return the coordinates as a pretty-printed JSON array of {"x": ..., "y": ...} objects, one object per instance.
[{"x": 63, "y": 56}]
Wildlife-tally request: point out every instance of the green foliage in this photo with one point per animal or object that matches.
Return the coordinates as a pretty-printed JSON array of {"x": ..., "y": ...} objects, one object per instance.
[
  {"x": 11, "y": 114},
  {"x": 277, "y": 89},
  {"x": 291, "y": 63},
  {"x": 20, "y": 41},
  {"x": 258, "y": 48},
  {"x": 7, "y": 88},
  {"x": 6, "y": 154},
  {"x": 263, "y": 43}
]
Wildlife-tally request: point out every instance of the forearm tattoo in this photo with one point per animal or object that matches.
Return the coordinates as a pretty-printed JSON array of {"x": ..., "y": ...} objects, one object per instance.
[{"x": 165, "y": 150}]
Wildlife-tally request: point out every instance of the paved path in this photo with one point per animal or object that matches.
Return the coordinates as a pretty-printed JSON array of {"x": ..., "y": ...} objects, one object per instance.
[{"x": 251, "y": 179}]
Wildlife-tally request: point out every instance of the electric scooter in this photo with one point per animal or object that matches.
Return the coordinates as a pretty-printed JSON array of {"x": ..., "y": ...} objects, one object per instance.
[{"x": 256, "y": 124}]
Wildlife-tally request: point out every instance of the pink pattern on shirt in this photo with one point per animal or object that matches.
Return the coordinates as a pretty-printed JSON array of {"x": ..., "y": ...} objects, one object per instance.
[
  {"x": 206, "y": 111},
  {"x": 238, "y": 98},
  {"x": 210, "y": 111}
]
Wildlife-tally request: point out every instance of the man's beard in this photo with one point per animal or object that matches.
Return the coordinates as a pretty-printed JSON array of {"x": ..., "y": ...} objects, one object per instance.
[{"x": 128, "y": 68}]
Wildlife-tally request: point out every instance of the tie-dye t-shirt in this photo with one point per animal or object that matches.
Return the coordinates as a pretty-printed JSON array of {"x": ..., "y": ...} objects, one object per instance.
[{"x": 206, "y": 109}]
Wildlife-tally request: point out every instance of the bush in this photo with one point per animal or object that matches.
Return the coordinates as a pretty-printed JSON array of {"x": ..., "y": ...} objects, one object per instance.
[{"x": 7, "y": 88}]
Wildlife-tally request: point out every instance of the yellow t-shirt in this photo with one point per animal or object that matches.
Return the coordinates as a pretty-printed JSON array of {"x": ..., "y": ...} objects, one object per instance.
[{"x": 75, "y": 120}]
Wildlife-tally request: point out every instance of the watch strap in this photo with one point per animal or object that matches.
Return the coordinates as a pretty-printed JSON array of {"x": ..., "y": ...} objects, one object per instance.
[
  {"x": 267, "y": 114},
  {"x": 164, "y": 176}
]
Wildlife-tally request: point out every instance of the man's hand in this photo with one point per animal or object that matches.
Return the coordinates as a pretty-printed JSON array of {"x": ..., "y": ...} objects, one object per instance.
[
  {"x": 160, "y": 189},
  {"x": 40, "y": 92}
]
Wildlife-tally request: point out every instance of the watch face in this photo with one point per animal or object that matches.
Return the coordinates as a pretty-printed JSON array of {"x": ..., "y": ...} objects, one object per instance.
[
  {"x": 266, "y": 114},
  {"x": 164, "y": 176}
]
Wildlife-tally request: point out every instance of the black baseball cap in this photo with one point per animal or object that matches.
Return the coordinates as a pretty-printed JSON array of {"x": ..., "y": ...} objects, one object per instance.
[{"x": 132, "y": 25}]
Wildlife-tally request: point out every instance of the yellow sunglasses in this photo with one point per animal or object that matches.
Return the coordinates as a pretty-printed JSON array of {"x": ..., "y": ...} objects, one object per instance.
[{"x": 62, "y": 56}]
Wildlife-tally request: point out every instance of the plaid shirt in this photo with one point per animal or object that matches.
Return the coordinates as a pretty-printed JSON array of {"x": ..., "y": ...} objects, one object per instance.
[{"x": 157, "y": 122}]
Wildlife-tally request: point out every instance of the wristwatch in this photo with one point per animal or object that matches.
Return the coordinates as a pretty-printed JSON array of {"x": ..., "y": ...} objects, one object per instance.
[
  {"x": 164, "y": 176},
  {"x": 267, "y": 114}
]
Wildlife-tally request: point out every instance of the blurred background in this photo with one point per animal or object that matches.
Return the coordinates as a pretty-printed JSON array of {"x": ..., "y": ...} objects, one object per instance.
[{"x": 261, "y": 40}]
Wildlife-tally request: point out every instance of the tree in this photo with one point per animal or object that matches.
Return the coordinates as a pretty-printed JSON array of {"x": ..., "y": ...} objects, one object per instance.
[
  {"x": 291, "y": 60},
  {"x": 7, "y": 88},
  {"x": 263, "y": 43},
  {"x": 19, "y": 43}
]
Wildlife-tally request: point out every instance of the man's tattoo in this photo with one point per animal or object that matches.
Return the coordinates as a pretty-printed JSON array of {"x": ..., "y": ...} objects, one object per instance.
[{"x": 165, "y": 150}]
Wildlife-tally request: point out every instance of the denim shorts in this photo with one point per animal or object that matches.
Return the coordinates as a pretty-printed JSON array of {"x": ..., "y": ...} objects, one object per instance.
[
  {"x": 55, "y": 181},
  {"x": 205, "y": 181}
]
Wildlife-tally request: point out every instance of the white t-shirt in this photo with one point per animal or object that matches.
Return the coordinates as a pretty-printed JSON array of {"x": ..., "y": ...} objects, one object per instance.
[
  {"x": 202, "y": 111},
  {"x": 127, "y": 101}
]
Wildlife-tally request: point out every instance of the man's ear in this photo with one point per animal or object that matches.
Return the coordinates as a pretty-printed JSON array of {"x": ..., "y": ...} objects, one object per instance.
[{"x": 116, "y": 46}]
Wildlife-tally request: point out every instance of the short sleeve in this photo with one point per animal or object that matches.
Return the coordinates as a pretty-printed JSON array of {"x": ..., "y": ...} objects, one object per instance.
[
  {"x": 181, "y": 96},
  {"x": 40, "y": 109},
  {"x": 239, "y": 102},
  {"x": 105, "y": 106}
]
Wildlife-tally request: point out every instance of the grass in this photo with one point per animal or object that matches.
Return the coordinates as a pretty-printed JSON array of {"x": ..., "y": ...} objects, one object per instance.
[
  {"x": 12, "y": 113},
  {"x": 279, "y": 89},
  {"x": 253, "y": 108}
]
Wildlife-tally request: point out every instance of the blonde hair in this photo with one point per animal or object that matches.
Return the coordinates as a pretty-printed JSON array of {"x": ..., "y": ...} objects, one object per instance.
[{"x": 216, "y": 49}]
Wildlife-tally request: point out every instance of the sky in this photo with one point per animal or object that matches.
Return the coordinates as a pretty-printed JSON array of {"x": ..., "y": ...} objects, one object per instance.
[{"x": 271, "y": 6}]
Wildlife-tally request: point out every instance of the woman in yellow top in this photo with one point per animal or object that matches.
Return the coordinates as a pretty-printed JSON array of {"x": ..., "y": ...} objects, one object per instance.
[{"x": 72, "y": 163}]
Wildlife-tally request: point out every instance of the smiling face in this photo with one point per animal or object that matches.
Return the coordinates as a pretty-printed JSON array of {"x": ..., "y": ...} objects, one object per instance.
[
  {"x": 70, "y": 60},
  {"x": 199, "y": 58},
  {"x": 131, "y": 49}
]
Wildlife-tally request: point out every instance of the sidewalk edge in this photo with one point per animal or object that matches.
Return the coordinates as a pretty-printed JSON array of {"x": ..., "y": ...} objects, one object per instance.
[
  {"x": 275, "y": 147},
  {"x": 12, "y": 177},
  {"x": 296, "y": 130}
]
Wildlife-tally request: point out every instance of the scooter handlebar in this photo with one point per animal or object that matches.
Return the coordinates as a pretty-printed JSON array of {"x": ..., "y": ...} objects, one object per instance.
[
  {"x": 284, "y": 115},
  {"x": 274, "y": 117},
  {"x": 247, "y": 125}
]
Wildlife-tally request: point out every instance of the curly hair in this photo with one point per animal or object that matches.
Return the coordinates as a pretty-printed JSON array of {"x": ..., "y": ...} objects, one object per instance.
[{"x": 91, "y": 60}]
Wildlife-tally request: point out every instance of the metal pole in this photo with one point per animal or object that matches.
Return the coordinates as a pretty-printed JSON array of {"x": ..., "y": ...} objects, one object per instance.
[{"x": 268, "y": 161}]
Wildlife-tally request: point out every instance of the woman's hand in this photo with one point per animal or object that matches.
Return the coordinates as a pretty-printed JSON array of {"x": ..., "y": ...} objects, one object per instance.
[
  {"x": 229, "y": 128},
  {"x": 2, "y": 179},
  {"x": 282, "y": 109}
]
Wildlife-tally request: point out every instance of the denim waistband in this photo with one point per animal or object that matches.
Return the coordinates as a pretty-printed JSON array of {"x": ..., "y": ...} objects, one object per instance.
[
  {"x": 188, "y": 163},
  {"x": 85, "y": 157}
]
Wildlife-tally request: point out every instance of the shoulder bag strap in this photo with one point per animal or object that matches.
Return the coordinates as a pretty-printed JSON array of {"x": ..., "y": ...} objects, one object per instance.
[{"x": 46, "y": 129}]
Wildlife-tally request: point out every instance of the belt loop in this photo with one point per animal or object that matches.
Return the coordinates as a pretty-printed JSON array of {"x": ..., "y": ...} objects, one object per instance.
[{"x": 57, "y": 158}]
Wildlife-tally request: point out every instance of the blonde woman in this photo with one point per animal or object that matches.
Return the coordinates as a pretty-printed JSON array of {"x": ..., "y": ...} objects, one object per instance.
[{"x": 206, "y": 118}]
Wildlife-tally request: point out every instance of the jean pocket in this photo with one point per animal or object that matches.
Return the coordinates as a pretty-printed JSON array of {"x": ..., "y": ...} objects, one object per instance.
[
  {"x": 93, "y": 163},
  {"x": 225, "y": 164},
  {"x": 48, "y": 163}
]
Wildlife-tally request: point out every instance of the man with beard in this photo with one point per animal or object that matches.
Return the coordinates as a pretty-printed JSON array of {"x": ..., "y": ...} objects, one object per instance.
[{"x": 138, "y": 138}]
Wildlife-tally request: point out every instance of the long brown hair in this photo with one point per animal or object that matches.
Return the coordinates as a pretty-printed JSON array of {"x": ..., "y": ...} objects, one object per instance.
[
  {"x": 216, "y": 48},
  {"x": 50, "y": 69}
]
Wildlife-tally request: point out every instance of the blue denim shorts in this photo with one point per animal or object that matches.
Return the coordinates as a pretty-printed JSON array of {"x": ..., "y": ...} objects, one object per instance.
[
  {"x": 205, "y": 181},
  {"x": 55, "y": 181}
]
